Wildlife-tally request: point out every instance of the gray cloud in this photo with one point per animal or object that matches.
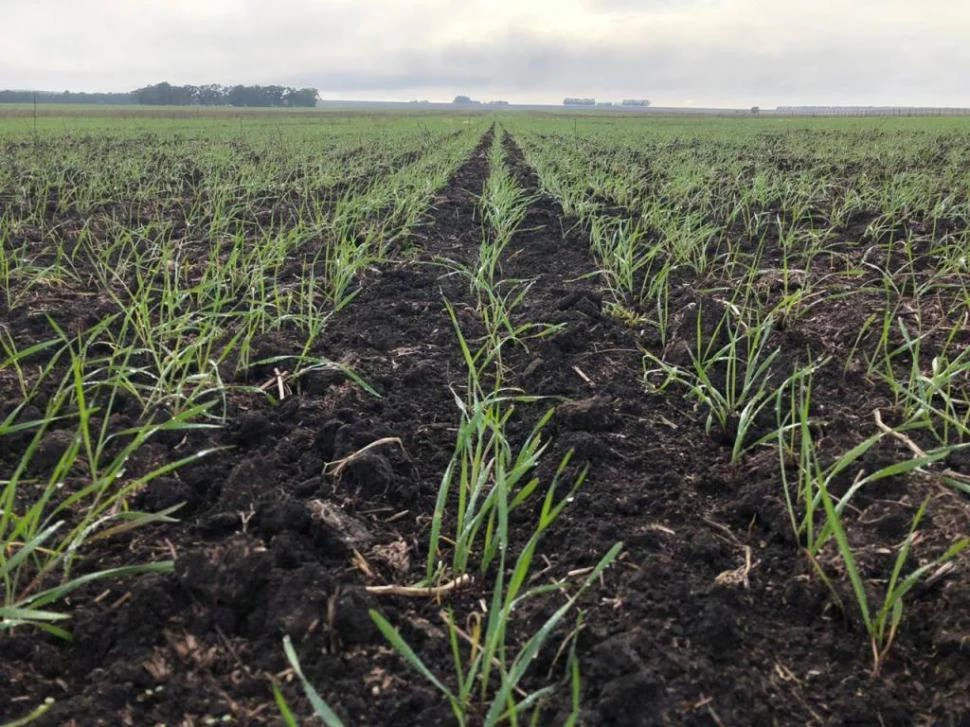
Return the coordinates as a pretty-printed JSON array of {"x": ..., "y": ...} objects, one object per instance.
[
  {"x": 715, "y": 52},
  {"x": 828, "y": 71},
  {"x": 649, "y": 6}
]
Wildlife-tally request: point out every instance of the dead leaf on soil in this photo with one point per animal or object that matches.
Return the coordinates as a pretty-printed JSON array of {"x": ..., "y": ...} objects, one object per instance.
[{"x": 397, "y": 555}]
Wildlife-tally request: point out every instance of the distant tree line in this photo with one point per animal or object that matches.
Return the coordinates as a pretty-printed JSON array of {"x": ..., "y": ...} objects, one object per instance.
[
  {"x": 638, "y": 102},
  {"x": 165, "y": 94},
  {"x": 467, "y": 100},
  {"x": 65, "y": 97}
]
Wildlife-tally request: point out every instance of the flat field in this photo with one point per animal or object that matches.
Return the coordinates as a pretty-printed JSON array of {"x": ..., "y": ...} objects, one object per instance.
[{"x": 483, "y": 419}]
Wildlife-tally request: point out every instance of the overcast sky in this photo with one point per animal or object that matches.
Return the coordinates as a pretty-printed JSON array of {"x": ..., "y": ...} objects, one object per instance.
[{"x": 675, "y": 52}]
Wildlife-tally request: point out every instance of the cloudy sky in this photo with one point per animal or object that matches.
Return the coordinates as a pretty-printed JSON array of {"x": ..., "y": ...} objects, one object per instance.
[{"x": 675, "y": 52}]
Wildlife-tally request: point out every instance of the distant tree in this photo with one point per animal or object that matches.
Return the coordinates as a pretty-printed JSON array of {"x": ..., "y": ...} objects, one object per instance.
[
  {"x": 237, "y": 96},
  {"x": 635, "y": 102},
  {"x": 256, "y": 96},
  {"x": 270, "y": 95},
  {"x": 159, "y": 94},
  {"x": 301, "y": 97},
  {"x": 165, "y": 94},
  {"x": 185, "y": 95},
  {"x": 755, "y": 110},
  {"x": 465, "y": 100},
  {"x": 211, "y": 95}
]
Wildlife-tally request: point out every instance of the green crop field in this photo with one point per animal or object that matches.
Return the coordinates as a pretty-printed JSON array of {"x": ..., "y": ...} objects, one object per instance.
[{"x": 483, "y": 419}]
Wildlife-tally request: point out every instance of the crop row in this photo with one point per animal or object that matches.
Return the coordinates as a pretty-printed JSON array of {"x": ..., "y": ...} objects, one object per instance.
[
  {"x": 139, "y": 280},
  {"x": 759, "y": 266}
]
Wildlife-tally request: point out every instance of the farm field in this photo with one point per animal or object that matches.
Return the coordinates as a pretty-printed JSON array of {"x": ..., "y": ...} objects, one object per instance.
[{"x": 484, "y": 419}]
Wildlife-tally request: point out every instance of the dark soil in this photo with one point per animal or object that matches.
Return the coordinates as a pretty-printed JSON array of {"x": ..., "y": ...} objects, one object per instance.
[{"x": 711, "y": 616}]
